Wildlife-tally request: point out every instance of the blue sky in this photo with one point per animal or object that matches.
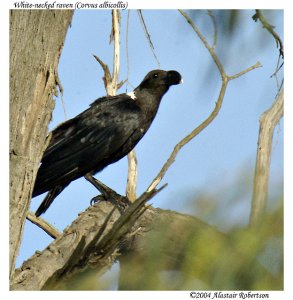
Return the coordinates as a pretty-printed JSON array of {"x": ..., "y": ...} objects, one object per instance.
[{"x": 224, "y": 153}]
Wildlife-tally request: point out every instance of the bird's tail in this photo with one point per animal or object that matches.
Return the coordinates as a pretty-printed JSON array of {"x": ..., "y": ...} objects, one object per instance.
[{"x": 52, "y": 194}]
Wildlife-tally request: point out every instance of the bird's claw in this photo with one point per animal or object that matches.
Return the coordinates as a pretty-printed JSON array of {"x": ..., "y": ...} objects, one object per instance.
[
  {"x": 97, "y": 199},
  {"x": 122, "y": 203}
]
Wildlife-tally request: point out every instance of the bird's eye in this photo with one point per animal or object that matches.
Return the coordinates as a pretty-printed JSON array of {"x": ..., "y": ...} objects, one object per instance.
[{"x": 155, "y": 75}]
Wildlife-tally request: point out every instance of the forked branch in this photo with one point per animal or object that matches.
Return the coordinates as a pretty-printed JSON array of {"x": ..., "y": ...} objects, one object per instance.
[{"x": 225, "y": 79}]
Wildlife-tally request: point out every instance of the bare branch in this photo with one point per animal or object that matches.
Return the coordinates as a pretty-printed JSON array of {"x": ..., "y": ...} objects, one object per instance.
[
  {"x": 116, "y": 59},
  {"x": 148, "y": 36},
  {"x": 121, "y": 83},
  {"x": 209, "y": 48},
  {"x": 47, "y": 227},
  {"x": 268, "y": 122},
  {"x": 256, "y": 65},
  {"x": 211, "y": 15},
  {"x": 189, "y": 137},
  {"x": 107, "y": 78},
  {"x": 111, "y": 84},
  {"x": 132, "y": 160},
  {"x": 259, "y": 16},
  {"x": 111, "y": 81},
  {"x": 93, "y": 239},
  {"x": 214, "y": 113},
  {"x": 132, "y": 176},
  {"x": 126, "y": 45}
]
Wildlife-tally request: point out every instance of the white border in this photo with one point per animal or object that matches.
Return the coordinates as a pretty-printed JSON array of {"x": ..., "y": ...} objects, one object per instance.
[{"x": 149, "y": 4}]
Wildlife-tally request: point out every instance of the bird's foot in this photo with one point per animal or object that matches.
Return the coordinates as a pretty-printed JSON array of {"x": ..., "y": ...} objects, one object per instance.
[
  {"x": 122, "y": 203},
  {"x": 97, "y": 199},
  {"x": 107, "y": 194}
]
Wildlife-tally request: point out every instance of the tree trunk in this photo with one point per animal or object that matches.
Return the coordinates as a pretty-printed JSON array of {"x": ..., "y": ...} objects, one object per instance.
[{"x": 36, "y": 40}]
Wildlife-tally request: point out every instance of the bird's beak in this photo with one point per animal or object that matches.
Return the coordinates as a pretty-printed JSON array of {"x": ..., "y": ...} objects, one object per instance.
[
  {"x": 173, "y": 78},
  {"x": 181, "y": 81}
]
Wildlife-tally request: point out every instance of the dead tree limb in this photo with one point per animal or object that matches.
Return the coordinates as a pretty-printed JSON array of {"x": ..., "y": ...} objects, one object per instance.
[
  {"x": 268, "y": 121},
  {"x": 94, "y": 239}
]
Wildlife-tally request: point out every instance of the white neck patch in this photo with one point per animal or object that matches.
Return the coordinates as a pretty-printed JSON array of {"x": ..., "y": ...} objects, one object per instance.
[{"x": 132, "y": 95}]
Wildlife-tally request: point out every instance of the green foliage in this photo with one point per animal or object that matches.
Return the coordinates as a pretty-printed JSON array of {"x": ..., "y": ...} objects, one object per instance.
[
  {"x": 207, "y": 259},
  {"x": 187, "y": 253}
]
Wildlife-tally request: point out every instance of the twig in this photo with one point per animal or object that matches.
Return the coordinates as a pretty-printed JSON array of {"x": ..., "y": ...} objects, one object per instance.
[
  {"x": 127, "y": 49},
  {"x": 256, "y": 65},
  {"x": 259, "y": 16},
  {"x": 107, "y": 78},
  {"x": 189, "y": 137},
  {"x": 211, "y": 15},
  {"x": 47, "y": 227},
  {"x": 268, "y": 122},
  {"x": 275, "y": 74},
  {"x": 278, "y": 67},
  {"x": 209, "y": 48},
  {"x": 148, "y": 36},
  {"x": 225, "y": 79}
]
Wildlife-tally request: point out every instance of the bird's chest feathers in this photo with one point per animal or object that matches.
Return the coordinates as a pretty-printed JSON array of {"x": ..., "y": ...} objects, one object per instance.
[{"x": 148, "y": 107}]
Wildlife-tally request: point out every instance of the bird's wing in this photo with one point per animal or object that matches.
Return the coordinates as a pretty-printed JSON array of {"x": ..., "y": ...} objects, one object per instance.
[
  {"x": 87, "y": 143},
  {"x": 65, "y": 134}
]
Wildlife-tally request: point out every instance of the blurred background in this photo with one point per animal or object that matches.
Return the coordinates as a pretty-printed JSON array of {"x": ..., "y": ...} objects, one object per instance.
[{"x": 212, "y": 177}]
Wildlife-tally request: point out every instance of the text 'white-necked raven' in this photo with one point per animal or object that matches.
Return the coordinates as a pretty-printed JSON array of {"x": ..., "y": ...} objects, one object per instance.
[{"x": 101, "y": 135}]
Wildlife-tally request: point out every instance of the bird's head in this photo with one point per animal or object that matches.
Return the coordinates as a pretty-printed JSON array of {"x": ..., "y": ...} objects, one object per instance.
[{"x": 159, "y": 81}]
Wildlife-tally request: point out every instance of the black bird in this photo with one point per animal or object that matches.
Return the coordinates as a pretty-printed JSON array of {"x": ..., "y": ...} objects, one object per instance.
[{"x": 101, "y": 135}]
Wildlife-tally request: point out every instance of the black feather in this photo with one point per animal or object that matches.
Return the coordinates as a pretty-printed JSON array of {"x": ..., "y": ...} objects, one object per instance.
[{"x": 101, "y": 135}]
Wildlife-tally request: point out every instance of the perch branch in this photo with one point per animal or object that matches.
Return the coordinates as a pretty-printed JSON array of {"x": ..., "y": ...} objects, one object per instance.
[{"x": 93, "y": 239}]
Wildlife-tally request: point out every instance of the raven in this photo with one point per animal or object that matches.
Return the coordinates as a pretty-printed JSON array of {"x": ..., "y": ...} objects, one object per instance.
[{"x": 101, "y": 135}]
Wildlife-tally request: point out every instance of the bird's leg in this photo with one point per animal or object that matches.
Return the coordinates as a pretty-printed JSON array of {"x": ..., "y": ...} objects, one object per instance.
[
  {"x": 102, "y": 188},
  {"x": 108, "y": 194}
]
